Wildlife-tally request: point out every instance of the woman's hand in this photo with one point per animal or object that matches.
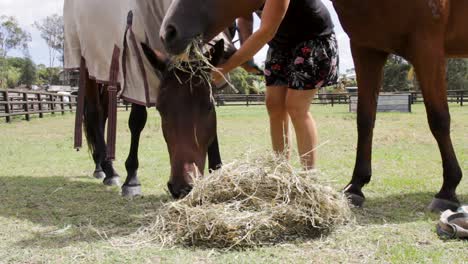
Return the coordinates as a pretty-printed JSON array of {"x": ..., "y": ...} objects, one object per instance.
[{"x": 217, "y": 75}]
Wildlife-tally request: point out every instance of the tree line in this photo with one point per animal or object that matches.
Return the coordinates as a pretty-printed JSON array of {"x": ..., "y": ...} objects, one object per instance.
[
  {"x": 16, "y": 71},
  {"x": 399, "y": 75}
]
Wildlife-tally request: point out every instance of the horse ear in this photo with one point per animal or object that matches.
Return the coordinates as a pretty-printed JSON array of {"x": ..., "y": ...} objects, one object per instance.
[
  {"x": 217, "y": 53},
  {"x": 156, "y": 58}
]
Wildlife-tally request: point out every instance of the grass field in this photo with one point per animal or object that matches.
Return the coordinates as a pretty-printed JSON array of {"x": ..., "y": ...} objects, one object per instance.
[{"x": 51, "y": 210}]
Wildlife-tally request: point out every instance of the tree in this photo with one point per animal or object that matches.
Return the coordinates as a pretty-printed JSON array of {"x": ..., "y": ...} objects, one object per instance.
[
  {"x": 12, "y": 36},
  {"x": 52, "y": 31},
  {"x": 9, "y": 77},
  {"x": 247, "y": 83},
  {"x": 457, "y": 74},
  {"x": 396, "y": 74},
  {"x": 28, "y": 72},
  {"x": 17, "y": 71},
  {"x": 48, "y": 75}
]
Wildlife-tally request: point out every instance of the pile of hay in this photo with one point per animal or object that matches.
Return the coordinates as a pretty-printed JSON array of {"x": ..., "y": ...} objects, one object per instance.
[{"x": 251, "y": 202}]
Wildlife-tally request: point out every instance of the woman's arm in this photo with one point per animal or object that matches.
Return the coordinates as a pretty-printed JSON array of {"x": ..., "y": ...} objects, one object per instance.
[{"x": 272, "y": 16}]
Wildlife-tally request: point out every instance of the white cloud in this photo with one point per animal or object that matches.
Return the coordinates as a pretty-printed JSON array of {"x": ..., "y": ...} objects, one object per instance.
[{"x": 29, "y": 11}]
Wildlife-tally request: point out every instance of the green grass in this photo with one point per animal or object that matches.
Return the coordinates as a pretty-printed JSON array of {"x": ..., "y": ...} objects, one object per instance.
[{"x": 51, "y": 210}]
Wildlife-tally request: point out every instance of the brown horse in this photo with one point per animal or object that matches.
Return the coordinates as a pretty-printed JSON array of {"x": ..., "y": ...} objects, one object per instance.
[
  {"x": 425, "y": 32},
  {"x": 188, "y": 119}
]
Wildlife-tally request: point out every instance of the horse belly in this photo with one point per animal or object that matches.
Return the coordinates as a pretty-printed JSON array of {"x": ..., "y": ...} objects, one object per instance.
[
  {"x": 373, "y": 24},
  {"x": 457, "y": 32}
]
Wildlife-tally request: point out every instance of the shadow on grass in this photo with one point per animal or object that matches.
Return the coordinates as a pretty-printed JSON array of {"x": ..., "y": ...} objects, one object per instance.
[
  {"x": 74, "y": 209},
  {"x": 71, "y": 209},
  {"x": 398, "y": 208}
]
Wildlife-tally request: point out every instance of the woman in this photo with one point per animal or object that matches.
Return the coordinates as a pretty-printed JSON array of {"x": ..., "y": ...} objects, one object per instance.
[{"x": 302, "y": 58}]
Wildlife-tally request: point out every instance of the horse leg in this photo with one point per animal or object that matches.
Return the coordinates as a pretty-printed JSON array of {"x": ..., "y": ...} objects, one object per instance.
[
  {"x": 369, "y": 72},
  {"x": 429, "y": 62},
  {"x": 214, "y": 157},
  {"x": 92, "y": 122},
  {"x": 111, "y": 175},
  {"x": 136, "y": 123}
]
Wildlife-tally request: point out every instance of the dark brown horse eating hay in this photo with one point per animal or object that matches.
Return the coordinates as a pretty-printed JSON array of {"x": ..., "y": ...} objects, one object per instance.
[
  {"x": 425, "y": 32},
  {"x": 188, "y": 121},
  {"x": 103, "y": 35}
]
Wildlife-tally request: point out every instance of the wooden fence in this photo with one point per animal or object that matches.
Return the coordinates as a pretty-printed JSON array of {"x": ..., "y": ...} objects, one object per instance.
[
  {"x": 458, "y": 97},
  {"x": 18, "y": 103},
  {"x": 26, "y": 103},
  {"x": 259, "y": 99}
]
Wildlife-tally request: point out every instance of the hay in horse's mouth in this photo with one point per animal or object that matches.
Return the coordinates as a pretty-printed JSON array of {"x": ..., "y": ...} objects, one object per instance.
[
  {"x": 194, "y": 62},
  {"x": 254, "y": 201}
]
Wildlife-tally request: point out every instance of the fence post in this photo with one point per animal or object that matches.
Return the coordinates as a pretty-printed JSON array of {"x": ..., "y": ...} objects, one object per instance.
[
  {"x": 461, "y": 98},
  {"x": 410, "y": 98},
  {"x": 7, "y": 106},
  {"x": 70, "y": 103},
  {"x": 52, "y": 104},
  {"x": 38, "y": 96},
  {"x": 62, "y": 105},
  {"x": 26, "y": 106},
  {"x": 247, "y": 99}
]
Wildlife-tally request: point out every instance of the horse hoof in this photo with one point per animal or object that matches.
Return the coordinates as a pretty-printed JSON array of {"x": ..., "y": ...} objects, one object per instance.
[
  {"x": 99, "y": 175},
  {"x": 439, "y": 205},
  {"x": 355, "y": 200},
  {"x": 131, "y": 191},
  {"x": 114, "y": 181}
]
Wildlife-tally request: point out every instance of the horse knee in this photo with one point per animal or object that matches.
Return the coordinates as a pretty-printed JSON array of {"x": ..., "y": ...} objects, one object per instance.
[
  {"x": 365, "y": 122},
  {"x": 138, "y": 118},
  {"x": 439, "y": 122}
]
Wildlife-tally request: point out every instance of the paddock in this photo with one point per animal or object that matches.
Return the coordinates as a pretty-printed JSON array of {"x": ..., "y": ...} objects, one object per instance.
[{"x": 51, "y": 209}]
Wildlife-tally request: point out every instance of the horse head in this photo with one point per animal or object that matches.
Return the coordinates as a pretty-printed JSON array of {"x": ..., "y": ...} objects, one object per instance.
[
  {"x": 190, "y": 20},
  {"x": 188, "y": 117}
]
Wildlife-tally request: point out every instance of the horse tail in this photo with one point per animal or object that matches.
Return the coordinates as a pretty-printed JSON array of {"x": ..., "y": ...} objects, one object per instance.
[
  {"x": 93, "y": 116},
  {"x": 89, "y": 123}
]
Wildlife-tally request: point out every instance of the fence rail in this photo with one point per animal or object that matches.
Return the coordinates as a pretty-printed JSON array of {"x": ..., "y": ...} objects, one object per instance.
[
  {"x": 458, "y": 97},
  {"x": 18, "y": 103},
  {"x": 26, "y": 103}
]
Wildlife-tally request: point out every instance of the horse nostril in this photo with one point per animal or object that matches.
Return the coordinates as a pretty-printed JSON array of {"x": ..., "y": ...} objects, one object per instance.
[
  {"x": 185, "y": 191},
  {"x": 171, "y": 190},
  {"x": 170, "y": 34}
]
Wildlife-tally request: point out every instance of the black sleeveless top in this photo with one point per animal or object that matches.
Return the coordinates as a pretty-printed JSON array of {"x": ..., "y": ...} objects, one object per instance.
[{"x": 304, "y": 20}]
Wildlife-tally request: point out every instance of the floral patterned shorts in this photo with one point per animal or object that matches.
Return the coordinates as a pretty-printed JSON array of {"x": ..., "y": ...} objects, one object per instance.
[{"x": 310, "y": 65}]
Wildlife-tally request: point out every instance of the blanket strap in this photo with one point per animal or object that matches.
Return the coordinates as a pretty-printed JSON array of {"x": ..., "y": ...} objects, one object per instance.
[
  {"x": 112, "y": 108},
  {"x": 78, "y": 142}
]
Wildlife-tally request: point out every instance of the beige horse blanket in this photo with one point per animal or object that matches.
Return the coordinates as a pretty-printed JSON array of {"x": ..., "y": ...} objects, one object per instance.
[
  {"x": 95, "y": 31},
  {"x": 106, "y": 35}
]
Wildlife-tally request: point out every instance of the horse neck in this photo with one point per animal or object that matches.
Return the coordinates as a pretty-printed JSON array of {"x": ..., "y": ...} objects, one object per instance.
[{"x": 151, "y": 15}]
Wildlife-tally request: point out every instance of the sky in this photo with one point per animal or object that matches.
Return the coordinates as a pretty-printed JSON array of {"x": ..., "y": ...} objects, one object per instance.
[{"x": 29, "y": 11}]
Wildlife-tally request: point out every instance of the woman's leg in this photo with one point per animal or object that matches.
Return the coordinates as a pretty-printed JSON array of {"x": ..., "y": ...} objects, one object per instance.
[
  {"x": 279, "y": 120},
  {"x": 297, "y": 106}
]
